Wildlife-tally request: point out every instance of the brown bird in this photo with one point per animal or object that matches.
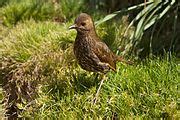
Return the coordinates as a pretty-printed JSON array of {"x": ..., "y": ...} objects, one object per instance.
[{"x": 91, "y": 53}]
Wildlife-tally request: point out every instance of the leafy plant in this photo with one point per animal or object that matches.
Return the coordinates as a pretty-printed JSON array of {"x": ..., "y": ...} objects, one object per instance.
[{"x": 153, "y": 12}]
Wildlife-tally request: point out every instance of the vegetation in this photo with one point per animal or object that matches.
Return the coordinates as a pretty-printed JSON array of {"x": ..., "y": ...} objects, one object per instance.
[
  {"x": 40, "y": 77},
  {"x": 148, "y": 90}
]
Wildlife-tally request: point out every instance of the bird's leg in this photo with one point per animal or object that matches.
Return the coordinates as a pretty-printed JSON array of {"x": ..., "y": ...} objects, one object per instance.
[{"x": 97, "y": 93}]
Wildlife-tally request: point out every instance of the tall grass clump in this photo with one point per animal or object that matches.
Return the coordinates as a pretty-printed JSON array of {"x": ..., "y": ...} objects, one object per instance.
[{"x": 28, "y": 52}]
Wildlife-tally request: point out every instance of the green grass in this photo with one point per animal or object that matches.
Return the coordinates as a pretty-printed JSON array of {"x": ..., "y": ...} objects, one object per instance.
[
  {"x": 14, "y": 11},
  {"x": 31, "y": 38},
  {"x": 146, "y": 90},
  {"x": 40, "y": 54},
  {"x": 39, "y": 73}
]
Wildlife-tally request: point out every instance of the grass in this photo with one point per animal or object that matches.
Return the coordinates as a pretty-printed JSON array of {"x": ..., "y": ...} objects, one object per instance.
[
  {"x": 14, "y": 11},
  {"x": 37, "y": 57},
  {"x": 41, "y": 79},
  {"x": 146, "y": 90}
]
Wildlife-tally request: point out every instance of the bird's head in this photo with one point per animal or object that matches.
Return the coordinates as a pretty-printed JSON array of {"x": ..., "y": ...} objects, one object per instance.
[{"x": 83, "y": 24}]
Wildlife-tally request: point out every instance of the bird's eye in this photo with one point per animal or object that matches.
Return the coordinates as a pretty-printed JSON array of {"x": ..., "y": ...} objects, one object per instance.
[{"x": 83, "y": 24}]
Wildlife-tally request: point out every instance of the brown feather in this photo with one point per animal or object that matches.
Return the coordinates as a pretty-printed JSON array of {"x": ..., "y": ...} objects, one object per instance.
[{"x": 91, "y": 53}]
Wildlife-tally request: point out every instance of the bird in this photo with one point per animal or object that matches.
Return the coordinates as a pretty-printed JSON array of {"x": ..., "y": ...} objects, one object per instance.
[{"x": 91, "y": 53}]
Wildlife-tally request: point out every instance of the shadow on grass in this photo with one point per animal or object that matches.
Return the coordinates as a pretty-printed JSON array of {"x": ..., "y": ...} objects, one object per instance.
[
  {"x": 79, "y": 83},
  {"x": 83, "y": 82}
]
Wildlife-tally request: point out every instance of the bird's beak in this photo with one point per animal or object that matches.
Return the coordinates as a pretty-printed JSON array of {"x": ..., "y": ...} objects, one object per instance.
[{"x": 73, "y": 26}]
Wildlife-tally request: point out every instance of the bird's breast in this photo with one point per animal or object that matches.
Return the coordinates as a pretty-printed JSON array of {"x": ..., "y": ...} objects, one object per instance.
[
  {"x": 83, "y": 51},
  {"x": 82, "y": 46}
]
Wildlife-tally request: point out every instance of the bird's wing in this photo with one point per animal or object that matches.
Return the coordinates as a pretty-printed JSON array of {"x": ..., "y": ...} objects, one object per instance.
[{"x": 105, "y": 55}]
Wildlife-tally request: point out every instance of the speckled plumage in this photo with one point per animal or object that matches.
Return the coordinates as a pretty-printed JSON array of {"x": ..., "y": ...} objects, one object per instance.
[{"x": 91, "y": 53}]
